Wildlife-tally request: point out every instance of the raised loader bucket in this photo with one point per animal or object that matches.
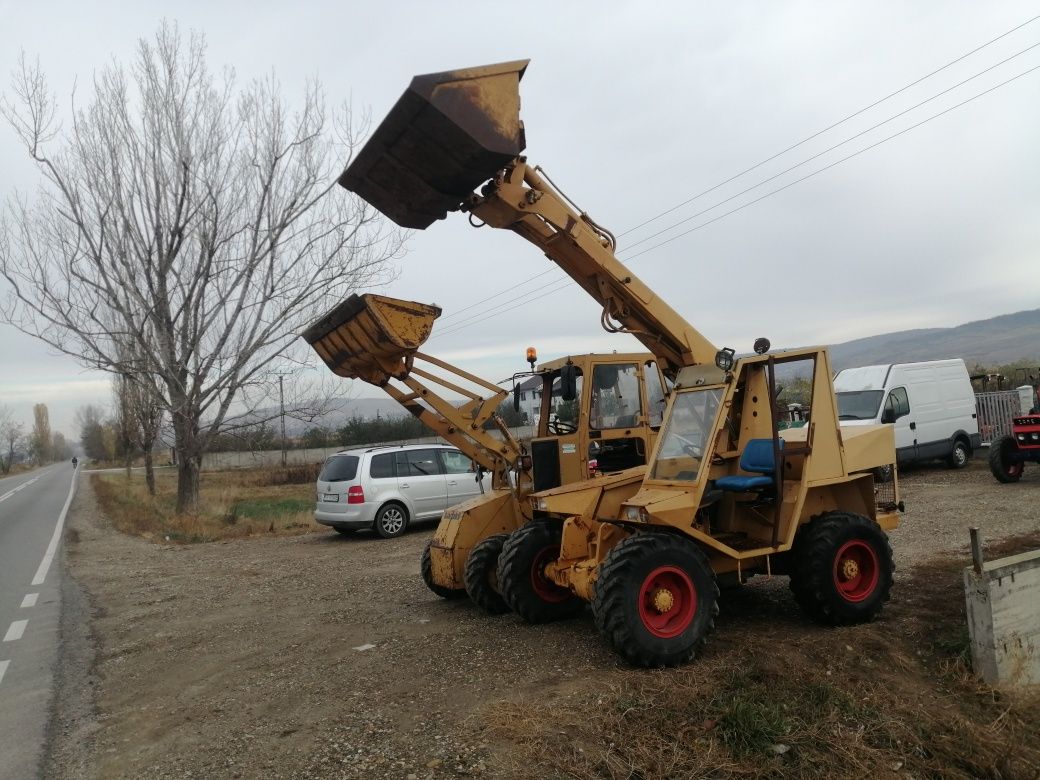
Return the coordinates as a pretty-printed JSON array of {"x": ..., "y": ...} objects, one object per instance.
[
  {"x": 371, "y": 337},
  {"x": 446, "y": 135}
]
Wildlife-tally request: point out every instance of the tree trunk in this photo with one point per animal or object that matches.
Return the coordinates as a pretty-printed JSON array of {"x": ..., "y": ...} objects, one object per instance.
[
  {"x": 188, "y": 468},
  {"x": 149, "y": 472},
  {"x": 128, "y": 462}
]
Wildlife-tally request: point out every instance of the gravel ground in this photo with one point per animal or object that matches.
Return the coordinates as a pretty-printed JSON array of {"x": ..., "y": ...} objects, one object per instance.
[{"x": 325, "y": 656}]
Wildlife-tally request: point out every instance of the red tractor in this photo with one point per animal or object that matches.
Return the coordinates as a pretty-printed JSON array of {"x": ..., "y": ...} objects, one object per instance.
[{"x": 1009, "y": 454}]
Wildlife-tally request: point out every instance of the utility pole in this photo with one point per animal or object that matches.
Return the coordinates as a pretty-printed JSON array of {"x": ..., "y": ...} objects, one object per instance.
[{"x": 281, "y": 404}]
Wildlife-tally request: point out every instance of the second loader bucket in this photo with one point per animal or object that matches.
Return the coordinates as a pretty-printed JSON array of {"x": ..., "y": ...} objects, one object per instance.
[
  {"x": 371, "y": 337},
  {"x": 446, "y": 135}
]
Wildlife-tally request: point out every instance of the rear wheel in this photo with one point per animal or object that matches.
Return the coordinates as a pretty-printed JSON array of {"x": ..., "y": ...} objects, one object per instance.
[
  {"x": 391, "y": 520},
  {"x": 1001, "y": 464},
  {"x": 843, "y": 567},
  {"x": 959, "y": 455},
  {"x": 521, "y": 575},
  {"x": 656, "y": 599},
  {"x": 481, "y": 575},
  {"x": 426, "y": 567}
]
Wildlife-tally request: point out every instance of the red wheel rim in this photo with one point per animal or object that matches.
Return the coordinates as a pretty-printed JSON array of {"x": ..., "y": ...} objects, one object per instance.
[
  {"x": 856, "y": 570},
  {"x": 667, "y": 601},
  {"x": 544, "y": 588}
]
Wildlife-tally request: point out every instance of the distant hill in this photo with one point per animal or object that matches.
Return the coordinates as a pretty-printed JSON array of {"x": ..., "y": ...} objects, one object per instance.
[{"x": 992, "y": 342}]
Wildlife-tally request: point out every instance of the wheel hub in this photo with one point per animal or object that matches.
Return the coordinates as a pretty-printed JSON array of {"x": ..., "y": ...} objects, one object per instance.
[
  {"x": 849, "y": 569},
  {"x": 662, "y": 600}
]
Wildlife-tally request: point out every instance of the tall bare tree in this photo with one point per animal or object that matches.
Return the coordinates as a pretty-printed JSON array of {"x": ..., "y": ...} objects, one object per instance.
[
  {"x": 40, "y": 437},
  {"x": 190, "y": 218},
  {"x": 10, "y": 436},
  {"x": 140, "y": 413}
]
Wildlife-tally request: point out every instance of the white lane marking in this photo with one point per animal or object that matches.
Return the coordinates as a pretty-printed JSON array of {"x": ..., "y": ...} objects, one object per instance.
[
  {"x": 52, "y": 548},
  {"x": 3, "y": 668},
  {"x": 14, "y": 633},
  {"x": 10, "y": 493},
  {"x": 30, "y": 600}
]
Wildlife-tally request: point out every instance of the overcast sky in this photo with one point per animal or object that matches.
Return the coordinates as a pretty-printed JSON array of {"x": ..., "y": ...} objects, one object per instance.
[{"x": 633, "y": 108}]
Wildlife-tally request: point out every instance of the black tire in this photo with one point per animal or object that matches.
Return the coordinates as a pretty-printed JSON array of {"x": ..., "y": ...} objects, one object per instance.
[
  {"x": 426, "y": 567},
  {"x": 481, "y": 575},
  {"x": 842, "y": 572},
  {"x": 625, "y": 601},
  {"x": 391, "y": 521},
  {"x": 1000, "y": 464},
  {"x": 344, "y": 530},
  {"x": 959, "y": 455},
  {"x": 521, "y": 579}
]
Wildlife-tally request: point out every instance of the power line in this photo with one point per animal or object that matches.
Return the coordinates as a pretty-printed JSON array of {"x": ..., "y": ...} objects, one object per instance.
[
  {"x": 457, "y": 312},
  {"x": 831, "y": 148},
  {"x": 772, "y": 192}
]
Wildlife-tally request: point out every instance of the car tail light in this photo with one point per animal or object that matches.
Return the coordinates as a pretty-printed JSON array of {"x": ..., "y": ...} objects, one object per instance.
[{"x": 355, "y": 495}]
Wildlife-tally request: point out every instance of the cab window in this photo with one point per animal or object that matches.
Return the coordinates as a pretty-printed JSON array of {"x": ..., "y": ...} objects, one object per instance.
[
  {"x": 897, "y": 405},
  {"x": 615, "y": 396},
  {"x": 655, "y": 394}
]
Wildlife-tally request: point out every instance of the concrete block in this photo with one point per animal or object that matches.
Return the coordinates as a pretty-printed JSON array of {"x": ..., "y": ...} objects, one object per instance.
[{"x": 1003, "y": 600}]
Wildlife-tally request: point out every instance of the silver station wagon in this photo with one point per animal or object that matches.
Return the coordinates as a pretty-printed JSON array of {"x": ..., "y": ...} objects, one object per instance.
[{"x": 386, "y": 488}]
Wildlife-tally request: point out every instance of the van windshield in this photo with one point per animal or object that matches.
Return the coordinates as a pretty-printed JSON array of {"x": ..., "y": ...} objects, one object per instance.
[
  {"x": 859, "y": 404},
  {"x": 339, "y": 468}
]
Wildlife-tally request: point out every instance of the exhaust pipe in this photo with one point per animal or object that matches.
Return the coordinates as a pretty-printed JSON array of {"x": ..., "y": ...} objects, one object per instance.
[{"x": 444, "y": 137}]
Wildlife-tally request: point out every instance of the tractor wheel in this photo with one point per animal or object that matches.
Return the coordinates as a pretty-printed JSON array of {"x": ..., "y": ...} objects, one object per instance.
[
  {"x": 656, "y": 599},
  {"x": 960, "y": 455},
  {"x": 842, "y": 572},
  {"x": 1000, "y": 463},
  {"x": 426, "y": 567},
  {"x": 481, "y": 575},
  {"x": 521, "y": 575}
]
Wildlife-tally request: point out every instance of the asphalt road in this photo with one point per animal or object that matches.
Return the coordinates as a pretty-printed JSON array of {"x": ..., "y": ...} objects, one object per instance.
[{"x": 32, "y": 511}]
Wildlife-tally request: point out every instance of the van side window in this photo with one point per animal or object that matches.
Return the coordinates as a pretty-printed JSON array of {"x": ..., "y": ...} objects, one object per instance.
[
  {"x": 898, "y": 405},
  {"x": 418, "y": 463},
  {"x": 382, "y": 466},
  {"x": 455, "y": 462}
]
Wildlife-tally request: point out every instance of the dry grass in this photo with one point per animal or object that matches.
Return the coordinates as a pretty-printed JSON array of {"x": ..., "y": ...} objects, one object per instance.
[
  {"x": 775, "y": 696},
  {"x": 234, "y": 504}
]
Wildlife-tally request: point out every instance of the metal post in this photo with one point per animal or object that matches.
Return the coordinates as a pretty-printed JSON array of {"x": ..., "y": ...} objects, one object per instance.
[{"x": 281, "y": 404}]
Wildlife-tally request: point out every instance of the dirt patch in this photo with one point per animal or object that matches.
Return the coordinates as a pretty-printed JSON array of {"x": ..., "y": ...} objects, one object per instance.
[{"x": 243, "y": 659}]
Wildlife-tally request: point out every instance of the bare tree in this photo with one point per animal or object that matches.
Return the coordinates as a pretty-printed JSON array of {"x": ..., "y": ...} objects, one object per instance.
[
  {"x": 189, "y": 218},
  {"x": 10, "y": 436},
  {"x": 140, "y": 420},
  {"x": 40, "y": 438}
]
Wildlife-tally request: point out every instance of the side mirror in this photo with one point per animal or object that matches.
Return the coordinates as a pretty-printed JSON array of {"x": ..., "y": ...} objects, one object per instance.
[
  {"x": 516, "y": 398},
  {"x": 889, "y": 415},
  {"x": 569, "y": 382}
]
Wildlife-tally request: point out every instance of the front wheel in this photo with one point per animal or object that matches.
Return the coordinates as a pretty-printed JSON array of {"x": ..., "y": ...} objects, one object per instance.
[
  {"x": 959, "y": 455},
  {"x": 391, "y": 520},
  {"x": 426, "y": 568},
  {"x": 656, "y": 599},
  {"x": 842, "y": 572},
  {"x": 481, "y": 575},
  {"x": 1002, "y": 464},
  {"x": 521, "y": 575}
]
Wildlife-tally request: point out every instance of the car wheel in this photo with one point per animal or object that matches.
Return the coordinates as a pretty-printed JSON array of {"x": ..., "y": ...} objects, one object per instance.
[
  {"x": 959, "y": 456},
  {"x": 391, "y": 521}
]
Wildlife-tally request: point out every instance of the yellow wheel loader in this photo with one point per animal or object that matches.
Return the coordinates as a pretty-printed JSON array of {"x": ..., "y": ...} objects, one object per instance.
[
  {"x": 727, "y": 494},
  {"x": 597, "y": 414}
]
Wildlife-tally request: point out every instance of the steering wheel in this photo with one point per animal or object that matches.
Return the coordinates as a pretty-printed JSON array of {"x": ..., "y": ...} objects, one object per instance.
[{"x": 560, "y": 427}]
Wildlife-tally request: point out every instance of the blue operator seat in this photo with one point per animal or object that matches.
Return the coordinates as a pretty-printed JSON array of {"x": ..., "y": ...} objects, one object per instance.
[{"x": 757, "y": 458}]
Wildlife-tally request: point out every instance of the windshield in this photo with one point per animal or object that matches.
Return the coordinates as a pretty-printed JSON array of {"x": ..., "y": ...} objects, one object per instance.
[
  {"x": 859, "y": 404},
  {"x": 685, "y": 435}
]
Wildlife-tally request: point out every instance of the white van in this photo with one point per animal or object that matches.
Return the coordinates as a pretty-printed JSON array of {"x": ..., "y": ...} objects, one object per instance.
[{"x": 931, "y": 405}]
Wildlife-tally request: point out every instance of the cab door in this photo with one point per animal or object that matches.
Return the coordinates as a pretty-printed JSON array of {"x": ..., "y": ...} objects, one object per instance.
[
  {"x": 897, "y": 411},
  {"x": 617, "y": 418}
]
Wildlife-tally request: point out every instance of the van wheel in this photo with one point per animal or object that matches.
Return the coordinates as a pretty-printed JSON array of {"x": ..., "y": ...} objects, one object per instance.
[
  {"x": 391, "y": 521},
  {"x": 959, "y": 456}
]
